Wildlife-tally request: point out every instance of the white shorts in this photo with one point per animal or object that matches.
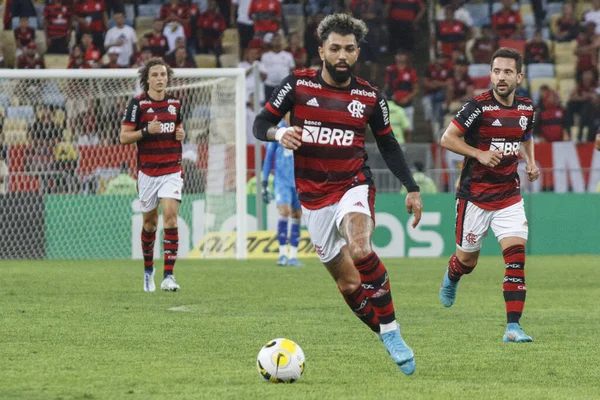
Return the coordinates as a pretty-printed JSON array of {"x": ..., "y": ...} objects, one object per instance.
[
  {"x": 473, "y": 223},
  {"x": 323, "y": 224},
  {"x": 153, "y": 188}
]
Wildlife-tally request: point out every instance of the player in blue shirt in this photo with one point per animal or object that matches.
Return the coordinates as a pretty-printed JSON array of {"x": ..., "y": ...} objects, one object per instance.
[{"x": 286, "y": 198}]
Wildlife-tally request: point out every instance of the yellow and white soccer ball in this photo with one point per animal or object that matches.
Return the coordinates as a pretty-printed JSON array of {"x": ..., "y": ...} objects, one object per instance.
[{"x": 280, "y": 361}]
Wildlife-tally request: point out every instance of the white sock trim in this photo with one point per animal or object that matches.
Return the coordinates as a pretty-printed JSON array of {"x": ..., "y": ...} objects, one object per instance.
[{"x": 385, "y": 328}]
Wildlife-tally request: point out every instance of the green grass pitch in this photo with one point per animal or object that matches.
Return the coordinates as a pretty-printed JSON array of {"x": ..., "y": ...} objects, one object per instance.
[{"x": 86, "y": 330}]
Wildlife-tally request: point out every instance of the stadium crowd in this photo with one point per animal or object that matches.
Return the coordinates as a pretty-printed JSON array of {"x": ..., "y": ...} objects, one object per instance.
[{"x": 560, "y": 43}]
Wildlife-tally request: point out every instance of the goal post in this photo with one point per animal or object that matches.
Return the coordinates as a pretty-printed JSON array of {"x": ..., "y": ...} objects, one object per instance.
[{"x": 60, "y": 148}]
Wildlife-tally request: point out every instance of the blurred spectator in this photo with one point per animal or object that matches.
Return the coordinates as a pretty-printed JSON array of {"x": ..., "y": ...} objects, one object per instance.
[
  {"x": 142, "y": 57},
  {"x": 403, "y": 17},
  {"x": 567, "y": 26},
  {"x": 3, "y": 175},
  {"x": 581, "y": 101},
  {"x": 77, "y": 61},
  {"x": 506, "y": 23},
  {"x": 57, "y": 26},
  {"x": 180, "y": 59},
  {"x": 91, "y": 17},
  {"x": 173, "y": 31},
  {"x": 194, "y": 13},
  {"x": 123, "y": 37},
  {"x": 314, "y": 7},
  {"x": 24, "y": 35},
  {"x": 297, "y": 51},
  {"x": 401, "y": 86},
  {"x": 312, "y": 41},
  {"x": 371, "y": 12},
  {"x": 253, "y": 53},
  {"x": 157, "y": 40},
  {"x": 65, "y": 164},
  {"x": 44, "y": 132},
  {"x": 460, "y": 86},
  {"x": 549, "y": 121},
  {"x": 460, "y": 12},
  {"x": 278, "y": 63},
  {"x": 239, "y": 17},
  {"x": 31, "y": 58},
  {"x": 593, "y": 15},
  {"x": 123, "y": 184},
  {"x": 114, "y": 6},
  {"x": 484, "y": 46},
  {"x": 587, "y": 47},
  {"x": 23, "y": 9},
  {"x": 114, "y": 54},
  {"x": 177, "y": 12},
  {"x": 91, "y": 54},
  {"x": 211, "y": 25},
  {"x": 266, "y": 15},
  {"x": 434, "y": 86},
  {"x": 398, "y": 120},
  {"x": 536, "y": 50},
  {"x": 450, "y": 34},
  {"x": 426, "y": 184}
]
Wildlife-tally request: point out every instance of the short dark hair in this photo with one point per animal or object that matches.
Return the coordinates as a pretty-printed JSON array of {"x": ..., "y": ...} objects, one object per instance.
[
  {"x": 507, "y": 52},
  {"x": 342, "y": 24},
  {"x": 145, "y": 71}
]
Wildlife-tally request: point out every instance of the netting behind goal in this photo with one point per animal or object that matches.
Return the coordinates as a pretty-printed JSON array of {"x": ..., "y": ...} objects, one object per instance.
[{"x": 67, "y": 186}]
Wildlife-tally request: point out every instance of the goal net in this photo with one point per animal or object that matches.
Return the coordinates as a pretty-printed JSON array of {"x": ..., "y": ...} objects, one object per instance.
[{"x": 66, "y": 188}]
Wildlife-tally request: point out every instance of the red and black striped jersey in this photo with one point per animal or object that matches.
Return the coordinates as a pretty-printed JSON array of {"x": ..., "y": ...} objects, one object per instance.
[
  {"x": 91, "y": 15},
  {"x": 58, "y": 19},
  {"x": 24, "y": 37},
  {"x": 403, "y": 10},
  {"x": 401, "y": 81},
  {"x": 158, "y": 44},
  {"x": 489, "y": 125},
  {"x": 332, "y": 158},
  {"x": 505, "y": 22},
  {"x": 451, "y": 34},
  {"x": 159, "y": 154},
  {"x": 263, "y": 12}
]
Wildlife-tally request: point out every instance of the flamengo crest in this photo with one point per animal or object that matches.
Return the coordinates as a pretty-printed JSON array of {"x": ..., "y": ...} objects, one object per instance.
[{"x": 356, "y": 108}]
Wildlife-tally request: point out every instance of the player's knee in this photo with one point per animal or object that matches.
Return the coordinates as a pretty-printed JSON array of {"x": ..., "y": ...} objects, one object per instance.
[
  {"x": 347, "y": 285},
  {"x": 359, "y": 249},
  {"x": 150, "y": 226},
  {"x": 170, "y": 221}
]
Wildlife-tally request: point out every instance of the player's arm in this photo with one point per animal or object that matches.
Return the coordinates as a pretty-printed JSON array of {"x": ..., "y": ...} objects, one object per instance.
[
  {"x": 265, "y": 124},
  {"x": 527, "y": 151},
  {"x": 453, "y": 137},
  {"x": 392, "y": 154},
  {"x": 131, "y": 129}
]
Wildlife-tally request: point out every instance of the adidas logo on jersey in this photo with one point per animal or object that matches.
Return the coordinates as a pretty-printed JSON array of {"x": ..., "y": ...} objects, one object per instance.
[
  {"x": 359, "y": 204},
  {"x": 496, "y": 123},
  {"x": 150, "y": 110},
  {"x": 313, "y": 102}
]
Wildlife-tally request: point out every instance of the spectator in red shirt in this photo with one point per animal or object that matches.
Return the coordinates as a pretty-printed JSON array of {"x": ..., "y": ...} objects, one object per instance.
[
  {"x": 434, "y": 86},
  {"x": 371, "y": 12},
  {"x": 31, "y": 59},
  {"x": 299, "y": 52},
  {"x": 57, "y": 26},
  {"x": 581, "y": 101},
  {"x": 536, "y": 50},
  {"x": 211, "y": 25},
  {"x": 401, "y": 83},
  {"x": 506, "y": 23},
  {"x": 24, "y": 35},
  {"x": 91, "y": 17},
  {"x": 567, "y": 26},
  {"x": 77, "y": 61},
  {"x": 142, "y": 57},
  {"x": 403, "y": 17},
  {"x": 156, "y": 40},
  {"x": 459, "y": 86},
  {"x": 266, "y": 15},
  {"x": 180, "y": 59},
  {"x": 450, "y": 33},
  {"x": 485, "y": 46},
  {"x": 90, "y": 53},
  {"x": 550, "y": 117},
  {"x": 177, "y": 12},
  {"x": 587, "y": 47},
  {"x": 113, "y": 58}
]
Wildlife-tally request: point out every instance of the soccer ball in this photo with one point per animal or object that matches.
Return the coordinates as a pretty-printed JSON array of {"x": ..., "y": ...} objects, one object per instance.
[{"x": 280, "y": 361}]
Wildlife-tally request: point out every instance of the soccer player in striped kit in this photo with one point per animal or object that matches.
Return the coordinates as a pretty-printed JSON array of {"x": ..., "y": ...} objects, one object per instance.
[
  {"x": 491, "y": 130},
  {"x": 330, "y": 110},
  {"x": 153, "y": 121}
]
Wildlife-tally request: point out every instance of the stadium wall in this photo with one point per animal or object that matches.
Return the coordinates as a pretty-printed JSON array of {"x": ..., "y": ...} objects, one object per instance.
[{"x": 107, "y": 227}]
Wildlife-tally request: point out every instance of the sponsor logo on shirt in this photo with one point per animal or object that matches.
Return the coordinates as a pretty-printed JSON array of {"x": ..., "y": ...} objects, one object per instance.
[
  {"x": 523, "y": 107},
  {"x": 385, "y": 111},
  {"x": 303, "y": 82},
  {"x": 360, "y": 92},
  {"x": 281, "y": 95},
  {"x": 324, "y": 135},
  {"x": 507, "y": 148},
  {"x": 490, "y": 108}
]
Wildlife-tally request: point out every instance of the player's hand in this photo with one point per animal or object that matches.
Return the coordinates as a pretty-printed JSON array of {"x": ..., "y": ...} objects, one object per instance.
[
  {"x": 414, "y": 205},
  {"x": 597, "y": 142},
  {"x": 490, "y": 158},
  {"x": 179, "y": 133},
  {"x": 154, "y": 126},
  {"x": 290, "y": 138},
  {"x": 266, "y": 196},
  {"x": 533, "y": 172}
]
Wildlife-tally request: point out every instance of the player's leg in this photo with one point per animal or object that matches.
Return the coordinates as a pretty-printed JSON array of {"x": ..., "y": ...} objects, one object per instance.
[
  {"x": 472, "y": 224},
  {"x": 510, "y": 227},
  {"x": 295, "y": 229},
  {"x": 170, "y": 197},
  {"x": 332, "y": 251},
  {"x": 148, "y": 197},
  {"x": 356, "y": 225},
  {"x": 285, "y": 211}
]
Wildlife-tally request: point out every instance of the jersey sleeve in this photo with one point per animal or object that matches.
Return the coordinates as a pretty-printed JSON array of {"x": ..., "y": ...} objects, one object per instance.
[
  {"x": 529, "y": 129},
  {"x": 132, "y": 114},
  {"x": 282, "y": 99},
  {"x": 179, "y": 119},
  {"x": 380, "y": 117},
  {"x": 467, "y": 116}
]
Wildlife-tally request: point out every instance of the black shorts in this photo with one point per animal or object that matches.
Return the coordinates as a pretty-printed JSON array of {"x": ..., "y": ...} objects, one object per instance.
[{"x": 246, "y": 33}]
